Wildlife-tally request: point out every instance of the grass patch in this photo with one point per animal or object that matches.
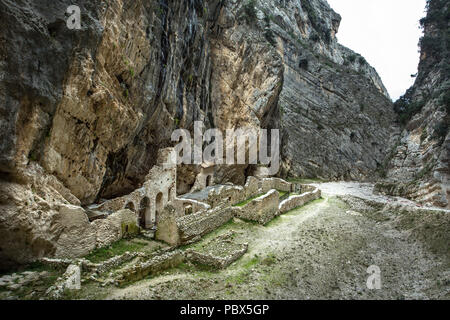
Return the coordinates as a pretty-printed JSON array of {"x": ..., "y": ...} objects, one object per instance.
[
  {"x": 244, "y": 271},
  {"x": 117, "y": 248},
  {"x": 243, "y": 203},
  {"x": 269, "y": 260},
  {"x": 306, "y": 207},
  {"x": 230, "y": 225},
  {"x": 282, "y": 193}
]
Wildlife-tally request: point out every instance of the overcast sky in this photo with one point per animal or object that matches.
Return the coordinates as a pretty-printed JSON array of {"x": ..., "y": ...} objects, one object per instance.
[{"x": 386, "y": 33}]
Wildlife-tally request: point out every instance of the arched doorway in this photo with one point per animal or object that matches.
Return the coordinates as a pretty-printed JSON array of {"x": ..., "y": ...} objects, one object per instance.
[
  {"x": 208, "y": 180},
  {"x": 130, "y": 206},
  {"x": 144, "y": 209},
  {"x": 159, "y": 206},
  {"x": 187, "y": 209}
]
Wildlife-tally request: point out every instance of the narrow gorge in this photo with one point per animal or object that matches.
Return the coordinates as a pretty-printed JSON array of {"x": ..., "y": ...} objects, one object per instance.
[{"x": 87, "y": 186}]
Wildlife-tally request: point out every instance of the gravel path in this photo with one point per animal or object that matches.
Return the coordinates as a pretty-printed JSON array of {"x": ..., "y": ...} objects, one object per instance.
[
  {"x": 357, "y": 189},
  {"x": 365, "y": 191}
]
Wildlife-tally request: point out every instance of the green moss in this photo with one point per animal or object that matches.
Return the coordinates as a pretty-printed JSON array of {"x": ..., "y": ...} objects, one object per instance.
[
  {"x": 245, "y": 269},
  {"x": 243, "y": 203},
  {"x": 115, "y": 249},
  {"x": 282, "y": 193},
  {"x": 351, "y": 58},
  {"x": 130, "y": 229},
  {"x": 424, "y": 135},
  {"x": 269, "y": 260},
  {"x": 252, "y": 262},
  {"x": 250, "y": 11},
  {"x": 33, "y": 156}
]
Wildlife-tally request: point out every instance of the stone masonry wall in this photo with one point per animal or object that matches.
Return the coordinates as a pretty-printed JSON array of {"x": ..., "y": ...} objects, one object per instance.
[
  {"x": 298, "y": 200},
  {"x": 262, "y": 209}
]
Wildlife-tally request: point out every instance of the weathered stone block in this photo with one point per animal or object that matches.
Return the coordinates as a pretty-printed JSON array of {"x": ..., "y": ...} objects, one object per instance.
[
  {"x": 219, "y": 252},
  {"x": 261, "y": 210},
  {"x": 118, "y": 225},
  {"x": 296, "y": 201},
  {"x": 77, "y": 236}
]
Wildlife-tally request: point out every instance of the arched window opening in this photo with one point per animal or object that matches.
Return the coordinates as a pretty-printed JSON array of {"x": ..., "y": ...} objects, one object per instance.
[
  {"x": 130, "y": 206},
  {"x": 144, "y": 211},
  {"x": 159, "y": 206}
]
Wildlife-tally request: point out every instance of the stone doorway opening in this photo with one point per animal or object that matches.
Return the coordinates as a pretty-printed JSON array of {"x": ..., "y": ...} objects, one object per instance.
[
  {"x": 130, "y": 206},
  {"x": 144, "y": 210},
  {"x": 209, "y": 181},
  {"x": 159, "y": 206}
]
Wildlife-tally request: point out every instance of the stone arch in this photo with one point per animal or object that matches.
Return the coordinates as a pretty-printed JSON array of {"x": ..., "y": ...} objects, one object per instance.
[
  {"x": 187, "y": 208},
  {"x": 159, "y": 205},
  {"x": 208, "y": 180},
  {"x": 130, "y": 206},
  {"x": 144, "y": 211}
]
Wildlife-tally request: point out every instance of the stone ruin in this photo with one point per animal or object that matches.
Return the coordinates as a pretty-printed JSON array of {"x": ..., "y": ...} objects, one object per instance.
[{"x": 156, "y": 211}]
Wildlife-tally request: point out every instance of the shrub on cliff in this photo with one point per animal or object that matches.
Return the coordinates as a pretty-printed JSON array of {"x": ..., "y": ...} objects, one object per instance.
[
  {"x": 438, "y": 13},
  {"x": 267, "y": 31},
  {"x": 322, "y": 31},
  {"x": 441, "y": 130},
  {"x": 352, "y": 58},
  {"x": 406, "y": 108},
  {"x": 438, "y": 43},
  {"x": 250, "y": 11},
  {"x": 431, "y": 45},
  {"x": 445, "y": 100}
]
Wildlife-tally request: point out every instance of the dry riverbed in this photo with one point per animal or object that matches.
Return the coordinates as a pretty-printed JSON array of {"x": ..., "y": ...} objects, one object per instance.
[{"x": 320, "y": 251}]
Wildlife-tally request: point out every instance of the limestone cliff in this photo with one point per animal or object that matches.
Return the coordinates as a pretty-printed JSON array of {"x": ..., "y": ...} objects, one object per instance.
[
  {"x": 335, "y": 113},
  {"x": 419, "y": 164},
  {"x": 84, "y": 112}
]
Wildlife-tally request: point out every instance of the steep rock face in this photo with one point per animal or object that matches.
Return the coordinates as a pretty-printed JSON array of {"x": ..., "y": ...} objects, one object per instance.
[
  {"x": 278, "y": 65},
  {"x": 93, "y": 106},
  {"x": 336, "y": 116},
  {"x": 84, "y": 112},
  {"x": 419, "y": 164}
]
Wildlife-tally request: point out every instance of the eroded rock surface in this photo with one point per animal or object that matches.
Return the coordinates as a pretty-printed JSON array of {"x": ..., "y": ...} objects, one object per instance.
[{"x": 419, "y": 163}]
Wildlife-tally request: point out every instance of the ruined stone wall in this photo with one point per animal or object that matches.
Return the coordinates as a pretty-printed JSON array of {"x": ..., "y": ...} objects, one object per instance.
[
  {"x": 229, "y": 194},
  {"x": 194, "y": 226},
  {"x": 296, "y": 201},
  {"x": 123, "y": 223},
  {"x": 78, "y": 237},
  {"x": 157, "y": 191},
  {"x": 251, "y": 187},
  {"x": 275, "y": 183},
  {"x": 262, "y": 209}
]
